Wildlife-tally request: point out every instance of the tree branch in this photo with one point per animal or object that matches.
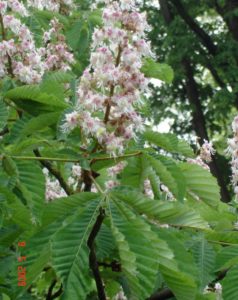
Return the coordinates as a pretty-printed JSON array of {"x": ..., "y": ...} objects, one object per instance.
[
  {"x": 193, "y": 25},
  {"x": 54, "y": 172},
  {"x": 50, "y": 290},
  {"x": 162, "y": 295},
  {"x": 92, "y": 256},
  {"x": 58, "y": 293},
  {"x": 114, "y": 265}
]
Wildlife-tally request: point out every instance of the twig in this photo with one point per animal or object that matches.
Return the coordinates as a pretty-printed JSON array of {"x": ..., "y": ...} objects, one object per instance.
[
  {"x": 92, "y": 256},
  {"x": 58, "y": 293},
  {"x": 54, "y": 172},
  {"x": 71, "y": 160},
  {"x": 165, "y": 294},
  {"x": 50, "y": 290},
  {"x": 114, "y": 265}
]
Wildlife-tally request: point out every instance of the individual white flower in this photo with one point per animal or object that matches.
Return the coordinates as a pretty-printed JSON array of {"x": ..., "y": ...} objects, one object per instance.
[
  {"x": 71, "y": 121},
  {"x": 218, "y": 288},
  {"x": 148, "y": 189},
  {"x": 76, "y": 171}
]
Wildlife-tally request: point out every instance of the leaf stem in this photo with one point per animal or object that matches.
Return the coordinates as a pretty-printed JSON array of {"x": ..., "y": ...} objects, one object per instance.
[{"x": 70, "y": 159}]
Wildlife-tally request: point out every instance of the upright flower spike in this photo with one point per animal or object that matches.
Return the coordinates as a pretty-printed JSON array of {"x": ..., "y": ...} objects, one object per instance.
[
  {"x": 56, "y": 53},
  {"x": 110, "y": 87},
  {"x": 233, "y": 151},
  {"x": 19, "y": 56}
]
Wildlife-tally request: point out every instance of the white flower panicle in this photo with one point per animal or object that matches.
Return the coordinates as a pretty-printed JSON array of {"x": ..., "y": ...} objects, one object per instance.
[
  {"x": 19, "y": 56},
  {"x": 205, "y": 156},
  {"x": 233, "y": 151},
  {"x": 56, "y": 52},
  {"x": 110, "y": 87},
  {"x": 53, "y": 188},
  {"x": 207, "y": 151}
]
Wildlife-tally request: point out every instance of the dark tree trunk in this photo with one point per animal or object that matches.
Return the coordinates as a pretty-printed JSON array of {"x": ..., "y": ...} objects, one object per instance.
[{"x": 199, "y": 123}]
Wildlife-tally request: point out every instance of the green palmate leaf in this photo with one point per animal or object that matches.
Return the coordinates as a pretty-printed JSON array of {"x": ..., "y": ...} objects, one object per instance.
[
  {"x": 40, "y": 122},
  {"x": 182, "y": 256},
  {"x": 156, "y": 70},
  {"x": 9, "y": 234},
  {"x": 53, "y": 87},
  {"x": 175, "y": 171},
  {"x": 200, "y": 184},
  {"x": 70, "y": 253},
  {"x": 32, "y": 185},
  {"x": 229, "y": 284},
  {"x": 204, "y": 256},
  {"x": 9, "y": 166},
  {"x": 18, "y": 212},
  {"x": 58, "y": 76},
  {"x": 3, "y": 114},
  {"x": 227, "y": 257},
  {"x": 16, "y": 130},
  {"x": 65, "y": 206},
  {"x": 155, "y": 183},
  {"x": 32, "y": 93},
  {"x": 182, "y": 285},
  {"x": 105, "y": 243},
  {"x": 226, "y": 237},
  {"x": 136, "y": 172},
  {"x": 28, "y": 144},
  {"x": 165, "y": 175},
  {"x": 219, "y": 218},
  {"x": 169, "y": 142},
  {"x": 172, "y": 213},
  {"x": 140, "y": 263}
]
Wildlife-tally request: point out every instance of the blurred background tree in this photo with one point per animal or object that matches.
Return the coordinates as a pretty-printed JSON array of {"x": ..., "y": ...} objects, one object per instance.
[{"x": 199, "y": 40}]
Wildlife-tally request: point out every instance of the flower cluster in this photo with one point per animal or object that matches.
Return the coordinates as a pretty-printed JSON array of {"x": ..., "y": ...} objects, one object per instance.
[
  {"x": 205, "y": 156},
  {"x": 112, "y": 173},
  {"x": 51, "y": 5},
  {"x": 148, "y": 189},
  {"x": 19, "y": 56},
  {"x": 56, "y": 52},
  {"x": 53, "y": 188},
  {"x": 233, "y": 151},
  {"x": 76, "y": 173},
  {"x": 109, "y": 90}
]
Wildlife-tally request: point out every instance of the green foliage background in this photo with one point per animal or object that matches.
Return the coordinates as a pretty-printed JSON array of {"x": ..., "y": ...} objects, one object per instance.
[{"x": 178, "y": 246}]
